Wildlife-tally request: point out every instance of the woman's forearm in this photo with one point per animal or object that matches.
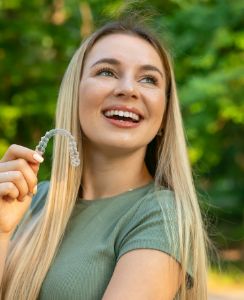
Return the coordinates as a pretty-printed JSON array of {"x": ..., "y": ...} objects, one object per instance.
[{"x": 4, "y": 245}]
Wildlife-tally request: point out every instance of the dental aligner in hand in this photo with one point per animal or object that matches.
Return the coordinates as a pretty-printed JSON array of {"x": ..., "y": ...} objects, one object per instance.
[{"x": 74, "y": 154}]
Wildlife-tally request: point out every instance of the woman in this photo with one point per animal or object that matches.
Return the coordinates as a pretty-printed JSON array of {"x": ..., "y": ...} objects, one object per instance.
[{"x": 126, "y": 224}]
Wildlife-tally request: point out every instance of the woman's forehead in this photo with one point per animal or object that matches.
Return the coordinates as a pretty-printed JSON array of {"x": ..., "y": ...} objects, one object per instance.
[{"x": 124, "y": 47}]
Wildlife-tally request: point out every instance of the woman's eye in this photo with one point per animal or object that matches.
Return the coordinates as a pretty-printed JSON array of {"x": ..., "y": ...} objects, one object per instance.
[
  {"x": 149, "y": 79},
  {"x": 105, "y": 72}
]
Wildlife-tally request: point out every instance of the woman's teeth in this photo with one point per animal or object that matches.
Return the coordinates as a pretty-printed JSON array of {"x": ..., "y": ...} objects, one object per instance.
[{"x": 123, "y": 114}]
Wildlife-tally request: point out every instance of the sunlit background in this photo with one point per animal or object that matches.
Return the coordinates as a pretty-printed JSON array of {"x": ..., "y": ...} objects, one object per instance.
[{"x": 206, "y": 39}]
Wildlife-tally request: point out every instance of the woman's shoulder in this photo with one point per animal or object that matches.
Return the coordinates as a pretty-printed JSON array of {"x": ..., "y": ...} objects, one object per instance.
[
  {"x": 157, "y": 209},
  {"x": 154, "y": 212},
  {"x": 153, "y": 224},
  {"x": 159, "y": 198}
]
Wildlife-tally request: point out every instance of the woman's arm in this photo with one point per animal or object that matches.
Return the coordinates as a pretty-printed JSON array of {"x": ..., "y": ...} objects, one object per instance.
[
  {"x": 4, "y": 244},
  {"x": 18, "y": 178},
  {"x": 144, "y": 274}
]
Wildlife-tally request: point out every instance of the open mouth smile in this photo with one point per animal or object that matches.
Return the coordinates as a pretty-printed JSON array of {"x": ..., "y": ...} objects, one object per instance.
[{"x": 123, "y": 118}]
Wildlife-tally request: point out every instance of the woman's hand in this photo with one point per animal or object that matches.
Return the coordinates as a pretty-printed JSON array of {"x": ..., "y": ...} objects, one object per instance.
[{"x": 18, "y": 183}]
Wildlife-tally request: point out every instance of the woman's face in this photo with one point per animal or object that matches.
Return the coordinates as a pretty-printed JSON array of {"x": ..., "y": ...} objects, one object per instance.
[{"x": 121, "y": 94}]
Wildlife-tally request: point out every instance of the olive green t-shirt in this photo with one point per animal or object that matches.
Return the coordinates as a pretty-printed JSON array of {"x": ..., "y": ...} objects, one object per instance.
[{"x": 99, "y": 232}]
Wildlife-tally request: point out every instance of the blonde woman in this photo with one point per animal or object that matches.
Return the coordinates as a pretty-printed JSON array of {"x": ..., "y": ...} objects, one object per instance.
[{"x": 125, "y": 224}]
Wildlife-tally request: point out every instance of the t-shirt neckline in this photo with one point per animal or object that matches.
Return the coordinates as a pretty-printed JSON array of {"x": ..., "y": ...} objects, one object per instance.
[{"x": 131, "y": 193}]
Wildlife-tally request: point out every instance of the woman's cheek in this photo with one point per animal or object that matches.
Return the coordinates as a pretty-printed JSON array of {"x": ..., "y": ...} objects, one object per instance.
[
  {"x": 156, "y": 106},
  {"x": 95, "y": 92}
]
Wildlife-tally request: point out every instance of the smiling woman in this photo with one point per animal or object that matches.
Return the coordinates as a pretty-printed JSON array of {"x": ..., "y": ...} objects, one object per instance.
[
  {"x": 126, "y": 224},
  {"x": 117, "y": 83}
]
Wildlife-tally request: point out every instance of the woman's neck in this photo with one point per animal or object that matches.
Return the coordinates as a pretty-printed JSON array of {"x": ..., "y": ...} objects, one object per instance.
[{"x": 105, "y": 176}]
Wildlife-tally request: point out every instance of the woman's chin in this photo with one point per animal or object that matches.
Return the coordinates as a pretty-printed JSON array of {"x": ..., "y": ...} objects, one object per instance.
[{"x": 116, "y": 148}]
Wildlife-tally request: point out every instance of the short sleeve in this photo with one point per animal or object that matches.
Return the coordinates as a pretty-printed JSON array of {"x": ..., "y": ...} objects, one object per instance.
[{"x": 154, "y": 226}]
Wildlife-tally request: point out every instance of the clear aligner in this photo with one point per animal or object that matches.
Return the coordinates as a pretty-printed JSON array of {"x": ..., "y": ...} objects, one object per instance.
[{"x": 74, "y": 154}]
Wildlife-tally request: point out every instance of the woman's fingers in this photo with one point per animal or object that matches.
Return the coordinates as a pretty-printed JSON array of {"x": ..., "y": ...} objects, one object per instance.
[
  {"x": 18, "y": 171},
  {"x": 17, "y": 151},
  {"x": 35, "y": 167},
  {"x": 18, "y": 179},
  {"x": 8, "y": 191},
  {"x": 13, "y": 180}
]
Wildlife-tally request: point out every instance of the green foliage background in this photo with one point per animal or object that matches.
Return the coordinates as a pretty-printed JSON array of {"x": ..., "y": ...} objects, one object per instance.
[{"x": 206, "y": 38}]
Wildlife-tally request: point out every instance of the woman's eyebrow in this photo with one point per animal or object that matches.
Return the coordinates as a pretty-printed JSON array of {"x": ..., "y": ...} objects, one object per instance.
[
  {"x": 111, "y": 61},
  {"x": 114, "y": 61},
  {"x": 151, "y": 68}
]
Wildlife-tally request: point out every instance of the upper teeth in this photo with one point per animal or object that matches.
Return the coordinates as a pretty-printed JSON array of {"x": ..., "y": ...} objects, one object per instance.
[{"x": 110, "y": 113}]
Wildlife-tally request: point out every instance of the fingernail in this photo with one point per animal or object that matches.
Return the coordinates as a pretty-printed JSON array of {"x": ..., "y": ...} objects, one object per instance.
[
  {"x": 38, "y": 157},
  {"x": 34, "y": 190}
]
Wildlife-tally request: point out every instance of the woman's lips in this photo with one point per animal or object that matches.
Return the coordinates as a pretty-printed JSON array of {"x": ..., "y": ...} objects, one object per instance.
[
  {"x": 124, "y": 108},
  {"x": 123, "y": 116},
  {"x": 122, "y": 123}
]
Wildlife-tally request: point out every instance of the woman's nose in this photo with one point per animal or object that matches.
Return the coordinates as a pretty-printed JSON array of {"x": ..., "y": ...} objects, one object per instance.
[{"x": 126, "y": 88}]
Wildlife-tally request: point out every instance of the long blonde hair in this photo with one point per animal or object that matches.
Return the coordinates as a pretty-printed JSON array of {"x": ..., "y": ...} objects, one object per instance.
[{"x": 36, "y": 242}]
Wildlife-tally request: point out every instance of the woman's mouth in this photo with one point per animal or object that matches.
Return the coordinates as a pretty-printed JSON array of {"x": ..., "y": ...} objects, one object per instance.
[
  {"x": 122, "y": 119},
  {"x": 122, "y": 115}
]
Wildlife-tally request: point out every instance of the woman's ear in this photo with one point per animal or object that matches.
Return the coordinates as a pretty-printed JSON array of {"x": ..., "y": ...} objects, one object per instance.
[
  {"x": 160, "y": 132},
  {"x": 161, "y": 128}
]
